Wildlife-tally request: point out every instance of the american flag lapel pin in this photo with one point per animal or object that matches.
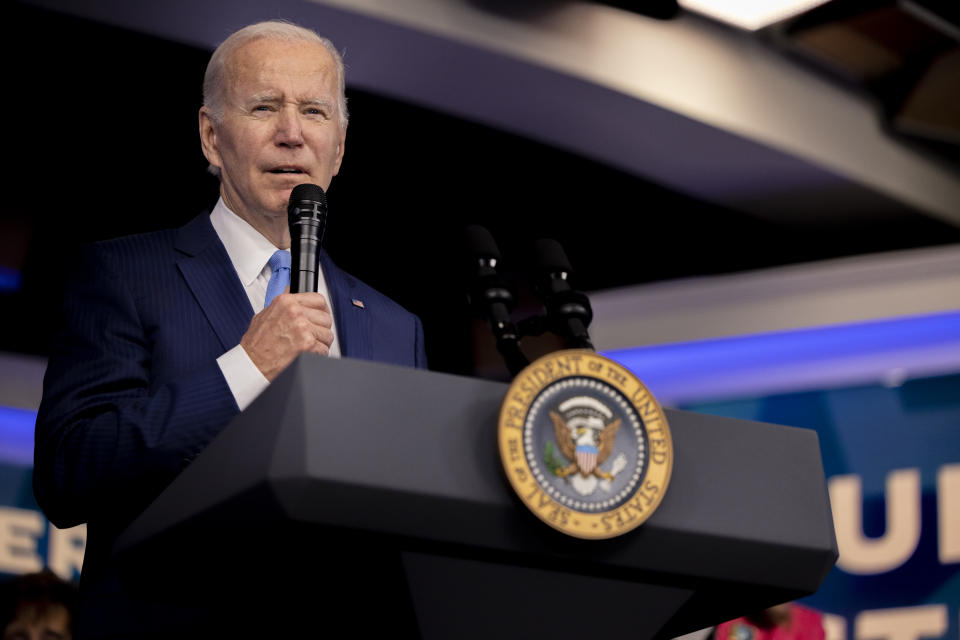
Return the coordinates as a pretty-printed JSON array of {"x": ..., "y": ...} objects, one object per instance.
[{"x": 357, "y": 302}]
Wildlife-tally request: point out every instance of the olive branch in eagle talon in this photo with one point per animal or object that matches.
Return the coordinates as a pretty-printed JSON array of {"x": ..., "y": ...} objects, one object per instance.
[{"x": 568, "y": 439}]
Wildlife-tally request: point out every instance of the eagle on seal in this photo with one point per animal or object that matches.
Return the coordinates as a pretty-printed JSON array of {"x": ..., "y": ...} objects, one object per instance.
[{"x": 587, "y": 445}]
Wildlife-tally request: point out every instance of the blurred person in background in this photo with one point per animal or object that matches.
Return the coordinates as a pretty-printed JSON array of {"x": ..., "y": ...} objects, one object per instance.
[
  {"x": 37, "y": 606},
  {"x": 787, "y": 621}
]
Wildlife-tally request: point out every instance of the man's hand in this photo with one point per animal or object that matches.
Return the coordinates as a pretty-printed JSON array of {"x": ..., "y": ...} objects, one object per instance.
[{"x": 293, "y": 324}]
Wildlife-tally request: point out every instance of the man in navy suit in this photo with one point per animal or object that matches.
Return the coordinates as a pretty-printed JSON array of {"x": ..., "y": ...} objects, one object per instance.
[{"x": 167, "y": 335}]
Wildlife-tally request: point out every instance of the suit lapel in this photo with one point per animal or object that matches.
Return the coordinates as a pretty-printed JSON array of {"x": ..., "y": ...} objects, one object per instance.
[
  {"x": 210, "y": 275},
  {"x": 353, "y": 322}
]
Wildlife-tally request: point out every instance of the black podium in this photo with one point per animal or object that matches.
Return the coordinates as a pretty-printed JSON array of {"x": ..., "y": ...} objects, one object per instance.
[{"x": 373, "y": 496}]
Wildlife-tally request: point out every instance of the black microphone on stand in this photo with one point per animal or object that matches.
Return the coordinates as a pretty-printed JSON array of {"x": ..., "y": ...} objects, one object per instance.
[
  {"x": 568, "y": 311},
  {"x": 307, "y": 216},
  {"x": 492, "y": 298}
]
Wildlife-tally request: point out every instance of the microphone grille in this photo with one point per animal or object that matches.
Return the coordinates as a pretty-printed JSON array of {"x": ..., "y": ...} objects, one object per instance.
[
  {"x": 550, "y": 256},
  {"x": 480, "y": 243},
  {"x": 308, "y": 192}
]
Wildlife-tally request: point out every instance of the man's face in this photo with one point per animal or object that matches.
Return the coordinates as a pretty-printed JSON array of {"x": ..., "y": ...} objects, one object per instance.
[{"x": 280, "y": 126}]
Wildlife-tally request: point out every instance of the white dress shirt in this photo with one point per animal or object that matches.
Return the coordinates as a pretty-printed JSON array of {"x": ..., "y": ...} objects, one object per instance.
[{"x": 250, "y": 253}]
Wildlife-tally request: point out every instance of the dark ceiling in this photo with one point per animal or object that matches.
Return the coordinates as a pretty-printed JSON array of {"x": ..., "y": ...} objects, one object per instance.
[{"x": 105, "y": 144}]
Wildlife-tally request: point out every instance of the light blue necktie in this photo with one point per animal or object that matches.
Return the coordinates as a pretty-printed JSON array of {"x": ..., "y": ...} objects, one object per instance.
[{"x": 279, "y": 277}]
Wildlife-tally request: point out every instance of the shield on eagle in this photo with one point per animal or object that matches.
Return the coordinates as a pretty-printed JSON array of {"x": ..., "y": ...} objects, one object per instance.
[{"x": 586, "y": 458}]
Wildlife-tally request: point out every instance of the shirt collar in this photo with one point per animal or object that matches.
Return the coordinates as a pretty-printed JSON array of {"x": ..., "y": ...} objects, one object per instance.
[{"x": 248, "y": 249}]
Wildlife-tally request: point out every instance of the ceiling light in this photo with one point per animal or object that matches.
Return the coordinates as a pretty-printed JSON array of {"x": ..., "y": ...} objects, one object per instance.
[{"x": 750, "y": 14}]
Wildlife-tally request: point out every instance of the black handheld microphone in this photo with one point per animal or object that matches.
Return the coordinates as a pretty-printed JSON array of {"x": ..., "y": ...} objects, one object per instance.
[
  {"x": 492, "y": 298},
  {"x": 568, "y": 311},
  {"x": 307, "y": 216}
]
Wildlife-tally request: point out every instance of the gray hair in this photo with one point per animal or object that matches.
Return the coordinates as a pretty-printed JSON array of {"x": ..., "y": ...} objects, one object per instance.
[{"x": 214, "y": 89}]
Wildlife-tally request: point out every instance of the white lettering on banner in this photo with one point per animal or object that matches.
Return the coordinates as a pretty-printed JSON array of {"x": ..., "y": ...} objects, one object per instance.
[
  {"x": 19, "y": 531},
  {"x": 860, "y": 554},
  {"x": 834, "y": 627},
  {"x": 905, "y": 623},
  {"x": 65, "y": 550},
  {"x": 948, "y": 513}
]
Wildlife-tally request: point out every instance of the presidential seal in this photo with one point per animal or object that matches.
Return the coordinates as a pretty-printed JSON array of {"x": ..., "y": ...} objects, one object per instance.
[{"x": 585, "y": 444}]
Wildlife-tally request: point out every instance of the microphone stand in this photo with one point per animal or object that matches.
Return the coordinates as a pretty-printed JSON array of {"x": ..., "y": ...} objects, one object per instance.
[
  {"x": 568, "y": 312},
  {"x": 492, "y": 299}
]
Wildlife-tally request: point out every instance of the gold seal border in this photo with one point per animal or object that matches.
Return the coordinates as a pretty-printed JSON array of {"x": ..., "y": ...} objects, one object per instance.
[{"x": 524, "y": 390}]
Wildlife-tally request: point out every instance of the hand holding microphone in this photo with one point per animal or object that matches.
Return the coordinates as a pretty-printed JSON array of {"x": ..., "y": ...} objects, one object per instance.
[{"x": 299, "y": 321}]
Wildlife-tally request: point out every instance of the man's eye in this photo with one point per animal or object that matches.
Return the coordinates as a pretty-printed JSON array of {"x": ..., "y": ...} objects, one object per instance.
[{"x": 262, "y": 107}]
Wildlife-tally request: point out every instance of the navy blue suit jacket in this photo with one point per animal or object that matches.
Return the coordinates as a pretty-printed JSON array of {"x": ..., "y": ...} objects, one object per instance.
[{"x": 133, "y": 391}]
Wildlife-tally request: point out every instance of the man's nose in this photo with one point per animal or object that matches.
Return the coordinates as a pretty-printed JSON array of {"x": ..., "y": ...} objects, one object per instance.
[{"x": 289, "y": 129}]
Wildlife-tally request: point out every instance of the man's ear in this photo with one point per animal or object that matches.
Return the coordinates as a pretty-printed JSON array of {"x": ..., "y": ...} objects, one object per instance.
[
  {"x": 208, "y": 137},
  {"x": 340, "y": 149}
]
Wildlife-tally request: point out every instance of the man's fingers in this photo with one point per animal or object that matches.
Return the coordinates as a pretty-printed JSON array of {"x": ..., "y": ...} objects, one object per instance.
[
  {"x": 295, "y": 307},
  {"x": 311, "y": 325},
  {"x": 320, "y": 318},
  {"x": 303, "y": 300},
  {"x": 311, "y": 300},
  {"x": 324, "y": 338},
  {"x": 292, "y": 324}
]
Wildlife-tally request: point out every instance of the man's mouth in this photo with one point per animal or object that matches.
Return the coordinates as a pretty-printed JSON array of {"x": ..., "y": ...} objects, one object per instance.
[{"x": 290, "y": 170}]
